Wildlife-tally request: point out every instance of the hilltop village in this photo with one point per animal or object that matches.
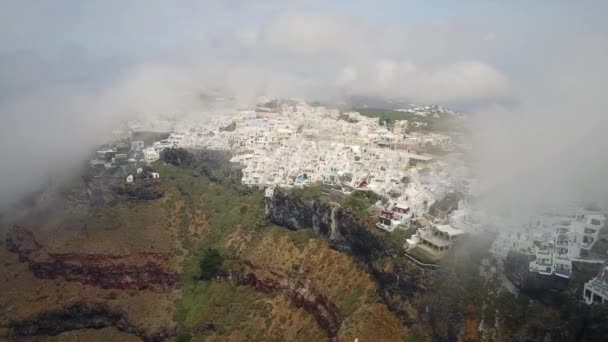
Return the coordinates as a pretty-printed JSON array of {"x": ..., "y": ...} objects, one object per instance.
[{"x": 418, "y": 173}]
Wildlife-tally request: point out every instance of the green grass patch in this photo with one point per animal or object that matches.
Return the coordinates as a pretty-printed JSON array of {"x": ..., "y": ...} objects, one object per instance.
[
  {"x": 226, "y": 209},
  {"x": 308, "y": 193},
  {"x": 222, "y": 304},
  {"x": 395, "y": 240},
  {"x": 349, "y": 301}
]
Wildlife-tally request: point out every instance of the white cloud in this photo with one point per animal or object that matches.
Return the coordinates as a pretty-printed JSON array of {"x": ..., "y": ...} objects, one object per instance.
[
  {"x": 315, "y": 34},
  {"x": 302, "y": 53},
  {"x": 468, "y": 80},
  {"x": 549, "y": 151}
]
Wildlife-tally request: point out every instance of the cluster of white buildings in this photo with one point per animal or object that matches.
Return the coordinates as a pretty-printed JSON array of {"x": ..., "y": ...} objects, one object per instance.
[
  {"x": 553, "y": 241},
  {"x": 294, "y": 144},
  {"x": 300, "y": 144}
]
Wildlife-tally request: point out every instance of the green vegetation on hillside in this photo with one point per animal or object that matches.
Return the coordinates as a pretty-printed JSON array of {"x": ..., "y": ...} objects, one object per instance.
[
  {"x": 360, "y": 201},
  {"x": 308, "y": 193},
  {"x": 226, "y": 209},
  {"x": 444, "y": 123}
]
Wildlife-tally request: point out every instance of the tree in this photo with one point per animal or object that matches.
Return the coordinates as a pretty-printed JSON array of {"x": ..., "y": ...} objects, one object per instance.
[
  {"x": 210, "y": 264},
  {"x": 177, "y": 156}
]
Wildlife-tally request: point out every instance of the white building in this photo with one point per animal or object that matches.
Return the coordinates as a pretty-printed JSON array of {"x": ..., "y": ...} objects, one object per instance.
[
  {"x": 151, "y": 155},
  {"x": 554, "y": 240},
  {"x": 436, "y": 239},
  {"x": 137, "y": 145},
  {"x": 596, "y": 289}
]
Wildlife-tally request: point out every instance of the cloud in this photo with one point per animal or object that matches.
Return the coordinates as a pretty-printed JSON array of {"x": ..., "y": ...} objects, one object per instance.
[
  {"x": 461, "y": 81},
  {"x": 314, "y": 34},
  {"x": 65, "y": 83},
  {"x": 549, "y": 151},
  {"x": 344, "y": 55}
]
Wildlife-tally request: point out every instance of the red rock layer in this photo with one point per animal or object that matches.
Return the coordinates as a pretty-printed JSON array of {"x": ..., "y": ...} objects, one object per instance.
[{"x": 132, "y": 271}]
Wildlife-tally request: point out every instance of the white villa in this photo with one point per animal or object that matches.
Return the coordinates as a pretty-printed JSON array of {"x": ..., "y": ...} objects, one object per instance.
[
  {"x": 436, "y": 239},
  {"x": 596, "y": 289}
]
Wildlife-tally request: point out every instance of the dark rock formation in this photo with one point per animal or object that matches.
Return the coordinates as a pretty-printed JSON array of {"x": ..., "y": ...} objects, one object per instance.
[
  {"x": 133, "y": 271},
  {"x": 344, "y": 232},
  {"x": 82, "y": 316},
  {"x": 297, "y": 290}
]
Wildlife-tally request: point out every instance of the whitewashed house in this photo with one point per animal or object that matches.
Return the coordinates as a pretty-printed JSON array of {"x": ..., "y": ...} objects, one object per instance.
[{"x": 151, "y": 155}]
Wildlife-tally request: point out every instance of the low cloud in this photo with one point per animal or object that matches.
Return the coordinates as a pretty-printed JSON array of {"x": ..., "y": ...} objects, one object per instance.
[
  {"x": 549, "y": 151},
  {"x": 461, "y": 81},
  {"x": 62, "y": 87}
]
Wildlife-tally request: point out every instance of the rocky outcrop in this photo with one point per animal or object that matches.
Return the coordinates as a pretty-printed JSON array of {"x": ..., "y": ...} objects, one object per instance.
[
  {"x": 344, "y": 232},
  {"x": 299, "y": 291},
  {"x": 82, "y": 316},
  {"x": 133, "y": 271}
]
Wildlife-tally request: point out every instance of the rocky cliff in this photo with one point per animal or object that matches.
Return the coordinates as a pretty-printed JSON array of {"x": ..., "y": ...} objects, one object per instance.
[
  {"x": 344, "y": 232},
  {"x": 399, "y": 285},
  {"x": 133, "y": 271}
]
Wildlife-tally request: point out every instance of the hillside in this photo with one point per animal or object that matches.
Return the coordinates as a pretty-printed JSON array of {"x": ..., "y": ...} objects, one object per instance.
[
  {"x": 213, "y": 260},
  {"x": 273, "y": 283}
]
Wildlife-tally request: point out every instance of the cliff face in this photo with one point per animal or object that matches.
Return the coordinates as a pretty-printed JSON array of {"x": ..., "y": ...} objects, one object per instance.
[
  {"x": 134, "y": 271},
  {"x": 344, "y": 232},
  {"x": 398, "y": 286}
]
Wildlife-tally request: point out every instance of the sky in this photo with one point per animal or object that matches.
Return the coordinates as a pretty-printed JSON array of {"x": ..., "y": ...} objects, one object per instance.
[{"x": 69, "y": 70}]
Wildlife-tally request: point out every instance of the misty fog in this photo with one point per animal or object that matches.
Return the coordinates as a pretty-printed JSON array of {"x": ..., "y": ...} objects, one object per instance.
[{"x": 78, "y": 70}]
